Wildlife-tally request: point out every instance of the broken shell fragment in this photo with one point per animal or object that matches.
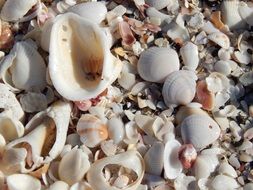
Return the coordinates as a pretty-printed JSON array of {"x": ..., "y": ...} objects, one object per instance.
[
  {"x": 246, "y": 13},
  {"x": 92, "y": 131},
  {"x": 22, "y": 182},
  {"x": 204, "y": 96},
  {"x": 158, "y": 4},
  {"x": 82, "y": 77},
  {"x": 116, "y": 129},
  {"x": 223, "y": 67},
  {"x": 190, "y": 55},
  {"x": 179, "y": 88},
  {"x": 187, "y": 155},
  {"x": 223, "y": 182},
  {"x": 155, "y": 64},
  {"x": 130, "y": 160},
  {"x": 73, "y": 166},
  {"x": 220, "y": 39},
  {"x": 226, "y": 169},
  {"x": 199, "y": 130}
]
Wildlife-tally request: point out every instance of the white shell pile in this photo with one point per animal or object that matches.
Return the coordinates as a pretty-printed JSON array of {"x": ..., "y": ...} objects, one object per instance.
[{"x": 126, "y": 95}]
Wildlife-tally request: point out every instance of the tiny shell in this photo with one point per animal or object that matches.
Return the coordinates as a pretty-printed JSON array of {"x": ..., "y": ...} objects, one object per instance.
[
  {"x": 223, "y": 182},
  {"x": 190, "y": 55},
  {"x": 91, "y": 130},
  {"x": 179, "y": 88},
  {"x": 22, "y": 182},
  {"x": 93, "y": 11},
  {"x": 155, "y": 64},
  {"x": 158, "y": 4},
  {"x": 199, "y": 130},
  {"x": 172, "y": 165},
  {"x": 220, "y": 38}
]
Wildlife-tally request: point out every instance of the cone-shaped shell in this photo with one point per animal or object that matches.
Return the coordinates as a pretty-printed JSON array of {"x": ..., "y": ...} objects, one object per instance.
[{"x": 80, "y": 63}]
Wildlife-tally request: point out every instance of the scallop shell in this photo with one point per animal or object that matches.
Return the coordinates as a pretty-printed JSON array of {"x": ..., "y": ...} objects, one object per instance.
[
  {"x": 78, "y": 77},
  {"x": 14, "y": 10},
  {"x": 158, "y": 4},
  {"x": 179, "y": 88},
  {"x": 172, "y": 165},
  {"x": 73, "y": 166},
  {"x": 93, "y": 11},
  {"x": 220, "y": 39},
  {"x": 154, "y": 159},
  {"x": 156, "y": 63},
  {"x": 199, "y": 130},
  {"x": 50, "y": 127},
  {"x": 131, "y": 160},
  {"x": 23, "y": 68},
  {"x": 223, "y": 182},
  {"x": 190, "y": 55},
  {"x": 92, "y": 131},
  {"x": 22, "y": 182}
]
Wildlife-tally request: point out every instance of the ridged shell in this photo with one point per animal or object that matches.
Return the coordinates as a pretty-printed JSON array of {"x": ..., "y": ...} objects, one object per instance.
[
  {"x": 158, "y": 4},
  {"x": 92, "y": 131},
  {"x": 220, "y": 38},
  {"x": 81, "y": 65},
  {"x": 93, "y": 11},
  {"x": 199, "y": 130},
  {"x": 190, "y": 55},
  {"x": 24, "y": 68},
  {"x": 73, "y": 166},
  {"x": 155, "y": 64},
  {"x": 179, "y": 88},
  {"x": 22, "y": 182}
]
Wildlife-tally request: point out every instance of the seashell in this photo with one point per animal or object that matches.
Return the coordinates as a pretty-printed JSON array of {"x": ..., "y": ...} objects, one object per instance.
[
  {"x": 216, "y": 20},
  {"x": 223, "y": 67},
  {"x": 217, "y": 82},
  {"x": 74, "y": 140},
  {"x": 246, "y": 13},
  {"x": 242, "y": 57},
  {"x": 156, "y": 63},
  {"x": 230, "y": 14},
  {"x": 187, "y": 155},
  {"x": 199, "y": 130},
  {"x": 154, "y": 13},
  {"x": 153, "y": 180},
  {"x": 248, "y": 186},
  {"x": 131, "y": 160},
  {"x": 131, "y": 133},
  {"x": 220, "y": 39},
  {"x": 226, "y": 169},
  {"x": 22, "y": 182},
  {"x": 246, "y": 78},
  {"x": 33, "y": 102},
  {"x": 121, "y": 182},
  {"x": 145, "y": 122},
  {"x": 204, "y": 96},
  {"x": 93, "y": 11},
  {"x": 190, "y": 55},
  {"x": 73, "y": 166},
  {"x": 126, "y": 34},
  {"x": 9, "y": 103},
  {"x": 154, "y": 159},
  {"x": 224, "y": 54},
  {"x": 40, "y": 172},
  {"x": 91, "y": 130},
  {"x": 223, "y": 182},
  {"x": 163, "y": 187},
  {"x": 172, "y": 94},
  {"x": 23, "y": 68},
  {"x": 82, "y": 185},
  {"x": 97, "y": 67},
  {"x": 165, "y": 132},
  {"x": 158, "y": 4},
  {"x": 172, "y": 165},
  {"x": 59, "y": 185},
  {"x": 13, "y": 10},
  {"x": 126, "y": 80},
  {"x": 116, "y": 129},
  {"x": 46, "y": 34},
  {"x": 185, "y": 182},
  {"x": 53, "y": 171},
  {"x": 50, "y": 127},
  {"x": 108, "y": 147}
]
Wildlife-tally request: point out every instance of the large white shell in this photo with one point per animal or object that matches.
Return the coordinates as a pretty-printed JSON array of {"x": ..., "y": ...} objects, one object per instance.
[
  {"x": 22, "y": 182},
  {"x": 156, "y": 63},
  {"x": 223, "y": 182},
  {"x": 158, "y": 4},
  {"x": 172, "y": 165},
  {"x": 13, "y": 10},
  {"x": 24, "y": 68},
  {"x": 73, "y": 166},
  {"x": 179, "y": 88},
  {"x": 93, "y": 11},
  {"x": 47, "y": 128},
  {"x": 190, "y": 55},
  {"x": 80, "y": 63},
  {"x": 130, "y": 159},
  {"x": 199, "y": 130}
]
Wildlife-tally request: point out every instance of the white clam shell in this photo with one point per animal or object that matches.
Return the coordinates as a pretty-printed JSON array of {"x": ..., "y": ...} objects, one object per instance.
[
  {"x": 179, "y": 88},
  {"x": 92, "y": 131},
  {"x": 116, "y": 129},
  {"x": 220, "y": 38},
  {"x": 130, "y": 159},
  {"x": 13, "y": 10},
  {"x": 199, "y": 130},
  {"x": 223, "y": 182},
  {"x": 93, "y": 11},
  {"x": 223, "y": 67},
  {"x": 59, "y": 185},
  {"x": 53, "y": 122},
  {"x": 226, "y": 169},
  {"x": 22, "y": 182},
  {"x": 27, "y": 68},
  {"x": 246, "y": 13},
  {"x": 190, "y": 55},
  {"x": 154, "y": 159},
  {"x": 82, "y": 77},
  {"x": 73, "y": 166},
  {"x": 172, "y": 165},
  {"x": 156, "y": 63},
  {"x": 158, "y": 4}
]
